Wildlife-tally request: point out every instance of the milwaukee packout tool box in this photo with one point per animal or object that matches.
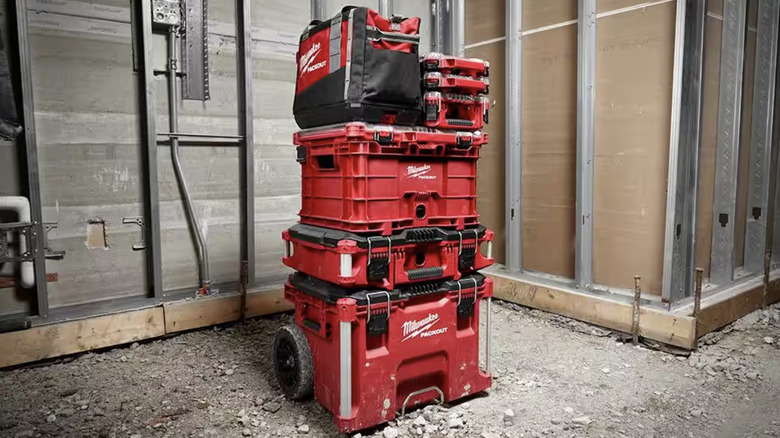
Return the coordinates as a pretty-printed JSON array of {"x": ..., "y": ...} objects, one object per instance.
[
  {"x": 411, "y": 256},
  {"x": 358, "y": 66},
  {"x": 453, "y": 65},
  {"x": 455, "y": 111},
  {"x": 382, "y": 179},
  {"x": 377, "y": 353}
]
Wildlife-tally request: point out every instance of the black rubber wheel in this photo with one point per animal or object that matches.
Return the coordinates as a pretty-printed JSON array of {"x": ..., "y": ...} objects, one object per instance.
[{"x": 292, "y": 363}]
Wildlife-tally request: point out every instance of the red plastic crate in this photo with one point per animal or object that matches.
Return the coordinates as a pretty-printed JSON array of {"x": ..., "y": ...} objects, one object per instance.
[
  {"x": 409, "y": 178},
  {"x": 376, "y": 353},
  {"x": 455, "y": 111},
  {"x": 455, "y": 65},
  {"x": 411, "y": 256},
  {"x": 455, "y": 84}
]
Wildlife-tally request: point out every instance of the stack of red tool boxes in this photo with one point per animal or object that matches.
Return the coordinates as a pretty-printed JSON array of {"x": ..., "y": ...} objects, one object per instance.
[{"x": 386, "y": 290}]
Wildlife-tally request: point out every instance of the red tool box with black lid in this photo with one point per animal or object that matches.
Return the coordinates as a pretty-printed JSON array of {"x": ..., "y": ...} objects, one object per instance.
[{"x": 377, "y": 353}]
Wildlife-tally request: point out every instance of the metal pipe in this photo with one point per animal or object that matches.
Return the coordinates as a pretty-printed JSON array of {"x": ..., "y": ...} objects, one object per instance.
[
  {"x": 317, "y": 9},
  {"x": 197, "y": 135},
  {"x": 458, "y": 27},
  {"x": 21, "y": 206},
  {"x": 173, "y": 122},
  {"x": 386, "y": 8}
]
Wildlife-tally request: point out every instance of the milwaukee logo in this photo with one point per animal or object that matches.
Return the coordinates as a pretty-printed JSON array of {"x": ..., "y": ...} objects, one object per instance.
[
  {"x": 421, "y": 328},
  {"x": 420, "y": 172},
  {"x": 309, "y": 57}
]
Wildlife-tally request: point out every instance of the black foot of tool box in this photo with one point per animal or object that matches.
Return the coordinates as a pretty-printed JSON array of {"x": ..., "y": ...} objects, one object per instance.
[{"x": 358, "y": 66}]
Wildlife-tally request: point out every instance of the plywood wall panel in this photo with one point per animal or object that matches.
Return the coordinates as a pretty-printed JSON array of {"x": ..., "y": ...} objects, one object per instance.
[
  {"x": 709, "y": 123},
  {"x": 485, "y": 20},
  {"x": 490, "y": 167},
  {"x": 539, "y": 13},
  {"x": 549, "y": 150},
  {"x": 633, "y": 96}
]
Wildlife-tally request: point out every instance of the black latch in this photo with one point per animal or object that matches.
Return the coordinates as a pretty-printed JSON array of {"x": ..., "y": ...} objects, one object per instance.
[
  {"x": 300, "y": 154},
  {"x": 466, "y": 306},
  {"x": 485, "y": 114},
  {"x": 383, "y": 136},
  {"x": 378, "y": 268},
  {"x": 376, "y": 320},
  {"x": 465, "y": 140},
  {"x": 466, "y": 259},
  {"x": 377, "y": 324},
  {"x": 431, "y": 112}
]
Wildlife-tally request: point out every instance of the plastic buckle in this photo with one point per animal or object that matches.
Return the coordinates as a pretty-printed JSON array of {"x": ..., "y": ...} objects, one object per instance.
[
  {"x": 465, "y": 139},
  {"x": 466, "y": 256},
  {"x": 431, "y": 112},
  {"x": 380, "y": 268},
  {"x": 300, "y": 154},
  {"x": 466, "y": 309},
  {"x": 432, "y": 79},
  {"x": 378, "y": 324},
  {"x": 383, "y": 135}
]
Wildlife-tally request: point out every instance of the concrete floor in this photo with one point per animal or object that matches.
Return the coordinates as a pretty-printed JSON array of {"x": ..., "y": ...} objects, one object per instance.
[{"x": 558, "y": 377}]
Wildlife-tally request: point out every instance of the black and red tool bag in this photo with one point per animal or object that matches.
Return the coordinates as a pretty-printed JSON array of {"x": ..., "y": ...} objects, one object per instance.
[
  {"x": 455, "y": 111},
  {"x": 358, "y": 66},
  {"x": 411, "y": 256}
]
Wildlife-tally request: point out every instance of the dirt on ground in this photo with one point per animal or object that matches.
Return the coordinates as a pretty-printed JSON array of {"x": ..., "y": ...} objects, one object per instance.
[{"x": 554, "y": 377}]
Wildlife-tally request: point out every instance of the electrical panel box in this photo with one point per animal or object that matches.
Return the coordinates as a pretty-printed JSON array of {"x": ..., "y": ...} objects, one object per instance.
[{"x": 166, "y": 12}]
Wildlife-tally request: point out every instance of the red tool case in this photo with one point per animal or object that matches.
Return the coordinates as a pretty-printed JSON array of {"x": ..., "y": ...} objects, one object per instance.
[
  {"x": 448, "y": 64},
  {"x": 411, "y": 256},
  {"x": 366, "y": 178},
  {"x": 375, "y": 353},
  {"x": 455, "y": 111},
  {"x": 466, "y": 85}
]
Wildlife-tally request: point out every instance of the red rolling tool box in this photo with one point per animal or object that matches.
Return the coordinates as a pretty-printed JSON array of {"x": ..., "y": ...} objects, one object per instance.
[
  {"x": 448, "y": 64},
  {"x": 376, "y": 353},
  {"x": 411, "y": 256},
  {"x": 371, "y": 178},
  {"x": 455, "y": 111}
]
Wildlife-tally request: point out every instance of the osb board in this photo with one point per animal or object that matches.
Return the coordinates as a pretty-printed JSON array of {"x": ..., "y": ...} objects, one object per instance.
[
  {"x": 485, "y": 20},
  {"x": 75, "y": 336},
  {"x": 491, "y": 165},
  {"x": 634, "y": 61},
  {"x": 202, "y": 312},
  {"x": 611, "y": 5},
  {"x": 654, "y": 324},
  {"x": 709, "y": 131},
  {"x": 549, "y": 112},
  {"x": 539, "y": 13}
]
